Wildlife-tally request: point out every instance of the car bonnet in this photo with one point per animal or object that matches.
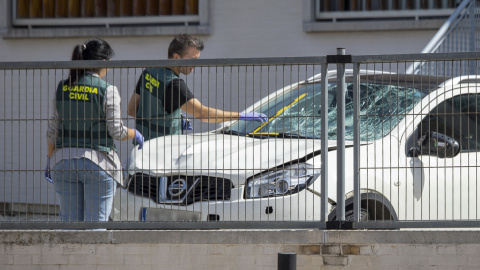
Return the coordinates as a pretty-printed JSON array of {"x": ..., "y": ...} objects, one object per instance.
[{"x": 227, "y": 156}]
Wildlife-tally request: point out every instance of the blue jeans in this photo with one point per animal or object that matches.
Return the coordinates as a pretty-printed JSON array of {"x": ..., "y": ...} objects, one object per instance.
[{"x": 85, "y": 190}]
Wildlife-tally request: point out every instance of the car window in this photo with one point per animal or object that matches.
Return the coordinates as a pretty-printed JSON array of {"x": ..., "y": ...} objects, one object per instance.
[
  {"x": 298, "y": 111},
  {"x": 457, "y": 117}
]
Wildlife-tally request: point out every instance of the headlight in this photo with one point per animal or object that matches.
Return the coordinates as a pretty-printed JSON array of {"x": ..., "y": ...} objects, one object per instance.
[{"x": 282, "y": 181}]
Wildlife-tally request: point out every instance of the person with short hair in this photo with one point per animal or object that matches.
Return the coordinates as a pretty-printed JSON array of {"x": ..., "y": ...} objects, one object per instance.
[
  {"x": 160, "y": 95},
  {"x": 84, "y": 122}
]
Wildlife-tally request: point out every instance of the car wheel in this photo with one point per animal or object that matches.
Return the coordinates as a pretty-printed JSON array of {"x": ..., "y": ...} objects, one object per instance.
[
  {"x": 349, "y": 214},
  {"x": 364, "y": 216},
  {"x": 373, "y": 207}
]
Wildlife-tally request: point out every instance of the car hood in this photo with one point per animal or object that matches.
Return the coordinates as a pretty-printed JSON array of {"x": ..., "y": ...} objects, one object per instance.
[{"x": 228, "y": 156}]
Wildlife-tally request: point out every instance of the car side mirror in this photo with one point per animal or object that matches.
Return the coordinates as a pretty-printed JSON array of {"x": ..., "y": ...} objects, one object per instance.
[{"x": 435, "y": 144}]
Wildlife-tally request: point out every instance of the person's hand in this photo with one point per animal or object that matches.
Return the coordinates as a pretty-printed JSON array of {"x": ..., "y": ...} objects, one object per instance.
[
  {"x": 254, "y": 116},
  {"x": 186, "y": 123},
  {"x": 48, "y": 177},
  {"x": 139, "y": 139}
]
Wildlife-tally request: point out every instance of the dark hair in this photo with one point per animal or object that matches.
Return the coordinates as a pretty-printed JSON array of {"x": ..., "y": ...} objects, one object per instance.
[
  {"x": 93, "y": 49},
  {"x": 181, "y": 42}
]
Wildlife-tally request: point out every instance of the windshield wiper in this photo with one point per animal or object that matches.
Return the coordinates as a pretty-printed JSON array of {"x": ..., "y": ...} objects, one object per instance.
[
  {"x": 286, "y": 135},
  {"x": 295, "y": 136},
  {"x": 232, "y": 132},
  {"x": 265, "y": 135}
]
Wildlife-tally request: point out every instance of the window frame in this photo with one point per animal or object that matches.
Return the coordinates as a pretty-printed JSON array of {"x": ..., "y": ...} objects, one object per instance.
[
  {"x": 440, "y": 115},
  {"x": 162, "y": 25},
  {"x": 316, "y": 21}
]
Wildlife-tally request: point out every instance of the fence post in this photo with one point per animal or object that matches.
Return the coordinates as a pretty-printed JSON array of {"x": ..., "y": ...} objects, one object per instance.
[
  {"x": 356, "y": 142},
  {"x": 471, "y": 40},
  {"x": 287, "y": 261},
  {"x": 340, "y": 138},
  {"x": 324, "y": 142}
]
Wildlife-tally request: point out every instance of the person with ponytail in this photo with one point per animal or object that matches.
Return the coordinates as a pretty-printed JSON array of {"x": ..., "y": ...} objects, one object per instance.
[{"x": 85, "y": 119}]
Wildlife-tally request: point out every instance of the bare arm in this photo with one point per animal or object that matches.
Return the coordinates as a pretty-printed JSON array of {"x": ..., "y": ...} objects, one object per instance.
[
  {"x": 207, "y": 114},
  {"x": 131, "y": 134},
  {"x": 51, "y": 148},
  {"x": 133, "y": 105}
]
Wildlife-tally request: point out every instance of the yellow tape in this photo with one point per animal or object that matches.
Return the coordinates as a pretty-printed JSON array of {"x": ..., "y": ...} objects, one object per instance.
[{"x": 275, "y": 116}]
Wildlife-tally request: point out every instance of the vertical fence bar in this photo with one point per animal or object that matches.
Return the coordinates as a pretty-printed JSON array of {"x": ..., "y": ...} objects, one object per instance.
[
  {"x": 389, "y": 5},
  {"x": 363, "y": 5},
  {"x": 444, "y": 3},
  {"x": 324, "y": 146},
  {"x": 416, "y": 4},
  {"x": 356, "y": 142},
  {"x": 333, "y": 5},
  {"x": 471, "y": 41},
  {"x": 430, "y": 4},
  {"x": 341, "y": 137}
]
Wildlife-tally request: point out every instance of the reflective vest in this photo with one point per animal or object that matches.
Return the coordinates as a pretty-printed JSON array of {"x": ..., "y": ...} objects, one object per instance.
[
  {"x": 152, "y": 119},
  {"x": 80, "y": 107}
]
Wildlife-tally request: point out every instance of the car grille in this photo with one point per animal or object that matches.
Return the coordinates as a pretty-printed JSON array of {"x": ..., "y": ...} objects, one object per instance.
[{"x": 180, "y": 189}]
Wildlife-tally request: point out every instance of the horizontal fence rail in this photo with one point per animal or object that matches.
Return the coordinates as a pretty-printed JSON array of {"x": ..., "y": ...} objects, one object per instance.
[{"x": 350, "y": 141}]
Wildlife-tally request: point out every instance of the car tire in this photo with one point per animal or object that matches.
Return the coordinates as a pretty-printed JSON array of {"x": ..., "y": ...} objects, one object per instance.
[
  {"x": 373, "y": 207},
  {"x": 364, "y": 216}
]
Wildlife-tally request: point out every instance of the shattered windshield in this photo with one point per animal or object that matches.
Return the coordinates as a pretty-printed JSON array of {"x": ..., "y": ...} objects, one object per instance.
[{"x": 297, "y": 113}]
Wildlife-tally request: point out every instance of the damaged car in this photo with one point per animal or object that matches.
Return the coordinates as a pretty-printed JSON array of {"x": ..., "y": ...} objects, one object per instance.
[{"x": 418, "y": 157}]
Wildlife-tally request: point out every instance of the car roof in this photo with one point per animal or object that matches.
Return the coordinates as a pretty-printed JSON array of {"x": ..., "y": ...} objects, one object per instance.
[
  {"x": 424, "y": 82},
  {"x": 385, "y": 77},
  {"x": 466, "y": 79}
]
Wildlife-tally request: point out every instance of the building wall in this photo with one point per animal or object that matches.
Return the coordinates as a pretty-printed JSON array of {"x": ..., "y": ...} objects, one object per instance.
[
  {"x": 232, "y": 250},
  {"x": 249, "y": 28},
  {"x": 238, "y": 29}
]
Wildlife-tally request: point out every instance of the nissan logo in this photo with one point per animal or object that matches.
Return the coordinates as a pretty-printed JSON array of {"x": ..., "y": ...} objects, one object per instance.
[{"x": 177, "y": 187}]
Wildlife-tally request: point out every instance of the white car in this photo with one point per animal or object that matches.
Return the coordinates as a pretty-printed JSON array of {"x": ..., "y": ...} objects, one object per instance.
[{"x": 419, "y": 157}]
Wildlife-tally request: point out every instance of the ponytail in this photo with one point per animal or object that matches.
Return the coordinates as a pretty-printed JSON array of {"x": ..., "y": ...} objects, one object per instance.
[
  {"x": 93, "y": 49},
  {"x": 76, "y": 73}
]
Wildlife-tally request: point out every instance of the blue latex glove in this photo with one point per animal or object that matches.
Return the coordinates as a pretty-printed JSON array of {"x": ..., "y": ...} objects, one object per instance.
[
  {"x": 186, "y": 123},
  {"x": 48, "y": 177},
  {"x": 139, "y": 139},
  {"x": 254, "y": 116}
]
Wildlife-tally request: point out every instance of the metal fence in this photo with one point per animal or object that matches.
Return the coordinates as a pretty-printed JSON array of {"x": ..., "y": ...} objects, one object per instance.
[
  {"x": 402, "y": 148},
  {"x": 458, "y": 34}
]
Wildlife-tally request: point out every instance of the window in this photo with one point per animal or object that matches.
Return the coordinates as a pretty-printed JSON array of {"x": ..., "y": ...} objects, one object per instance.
[
  {"x": 361, "y": 15},
  {"x": 109, "y": 17},
  {"x": 459, "y": 118}
]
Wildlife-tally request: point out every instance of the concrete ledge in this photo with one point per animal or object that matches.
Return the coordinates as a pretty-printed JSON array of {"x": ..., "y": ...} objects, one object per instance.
[
  {"x": 306, "y": 237},
  {"x": 114, "y": 31},
  {"x": 398, "y": 25},
  {"x": 237, "y": 249}
]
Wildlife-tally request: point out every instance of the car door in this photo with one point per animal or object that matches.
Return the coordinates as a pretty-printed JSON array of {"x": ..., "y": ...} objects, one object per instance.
[{"x": 445, "y": 188}]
